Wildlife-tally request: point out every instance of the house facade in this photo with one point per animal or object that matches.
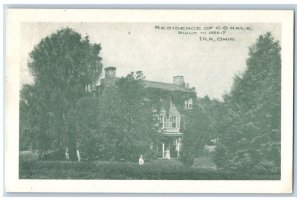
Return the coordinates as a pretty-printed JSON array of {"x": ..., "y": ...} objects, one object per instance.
[{"x": 176, "y": 99}]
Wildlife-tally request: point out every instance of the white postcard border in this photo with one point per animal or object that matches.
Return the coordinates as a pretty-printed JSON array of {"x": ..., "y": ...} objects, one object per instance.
[{"x": 16, "y": 16}]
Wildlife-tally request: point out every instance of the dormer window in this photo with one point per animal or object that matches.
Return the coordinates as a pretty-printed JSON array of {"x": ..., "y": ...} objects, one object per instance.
[
  {"x": 173, "y": 122},
  {"x": 188, "y": 104}
]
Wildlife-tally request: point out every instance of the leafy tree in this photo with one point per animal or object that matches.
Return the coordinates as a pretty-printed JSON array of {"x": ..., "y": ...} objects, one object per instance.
[
  {"x": 251, "y": 139},
  {"x": 127, "y": 118},
  {"x": 63, "y": 65},
  {"x": 116, "y": 124},
  {"x": 201, "y": 128},
  {"x": 28, "y": 129},
  {"x": 85, "y": 122}
]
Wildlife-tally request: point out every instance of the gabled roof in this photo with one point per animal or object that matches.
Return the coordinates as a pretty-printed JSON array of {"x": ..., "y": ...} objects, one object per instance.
[
  {"x": 155, "y": 85},
  {"x": 166, "y": 86}
]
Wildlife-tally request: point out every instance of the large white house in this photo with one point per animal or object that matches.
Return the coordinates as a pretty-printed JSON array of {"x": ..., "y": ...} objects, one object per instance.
[{"x": 170, "y": 115}]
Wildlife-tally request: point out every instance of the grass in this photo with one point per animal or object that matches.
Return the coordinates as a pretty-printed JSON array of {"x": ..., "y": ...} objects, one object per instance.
[{"x": 155, "y": 170}]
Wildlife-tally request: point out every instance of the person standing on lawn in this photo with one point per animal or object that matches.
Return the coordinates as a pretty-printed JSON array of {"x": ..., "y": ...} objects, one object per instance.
[
  {"x": 67, "y": 156},
  {"x": 168, "y": 156},
  {"x": 141, "y": 160}
]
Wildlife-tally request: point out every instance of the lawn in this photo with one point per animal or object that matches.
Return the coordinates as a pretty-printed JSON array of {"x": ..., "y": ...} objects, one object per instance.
[{"x": 31, "y": 168}]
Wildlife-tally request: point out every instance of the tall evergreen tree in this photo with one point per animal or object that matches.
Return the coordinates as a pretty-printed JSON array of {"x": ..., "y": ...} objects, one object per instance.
[
  {"x": 63, "y": 65},
  {"x": 251, "y": 137}
]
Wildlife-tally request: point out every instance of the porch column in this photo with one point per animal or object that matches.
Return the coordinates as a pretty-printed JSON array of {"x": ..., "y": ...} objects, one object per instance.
[
  {"x": 163, "y": 150},
  {"x": 177, "y": 147}
]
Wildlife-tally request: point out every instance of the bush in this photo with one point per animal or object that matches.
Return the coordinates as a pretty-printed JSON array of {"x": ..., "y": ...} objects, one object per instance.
[
  {"x": 54, "y": 155},
  {"x": 220, "y": 156},
  {"x": 150, "y": 155},
  {"x": 186, "y": 158},
  {"x": 28, "y": 156},
  {"x": 265, "y": 166}
]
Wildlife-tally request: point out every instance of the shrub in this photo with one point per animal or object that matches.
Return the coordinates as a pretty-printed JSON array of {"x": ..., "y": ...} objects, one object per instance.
[
  {"x": 220, "y": 156},
  {"x": 150, "y": 155},
  {"x": 54, "y": 155},
  {"x": 28, "y": 156},
  {"x": 265, "y": 166},
  {"x": 186, "y": 158},
  {"x": 157, "y": 169}
]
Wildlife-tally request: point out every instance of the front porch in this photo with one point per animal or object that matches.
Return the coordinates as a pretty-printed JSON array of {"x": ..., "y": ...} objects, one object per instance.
[{"x": 169, "y": 145}]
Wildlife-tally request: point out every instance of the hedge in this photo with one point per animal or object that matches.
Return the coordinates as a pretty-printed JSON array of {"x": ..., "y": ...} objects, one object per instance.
[{"x": 156, "y": 170}]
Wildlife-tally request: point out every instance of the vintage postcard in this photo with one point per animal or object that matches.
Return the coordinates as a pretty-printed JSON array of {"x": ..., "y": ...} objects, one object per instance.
[{"x": 149, "y": 101}]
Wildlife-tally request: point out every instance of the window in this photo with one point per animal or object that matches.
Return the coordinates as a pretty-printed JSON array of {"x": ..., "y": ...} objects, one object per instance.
[
  {"x": 190, "y": 104},
  {"x": 161, "y": 119},
  {"x": 186, "y": 104},
  {"x": 173, "y": 121}
]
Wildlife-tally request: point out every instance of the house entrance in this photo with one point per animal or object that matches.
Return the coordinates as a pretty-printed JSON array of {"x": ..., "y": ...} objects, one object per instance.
[{"x": 169, "y": 147}]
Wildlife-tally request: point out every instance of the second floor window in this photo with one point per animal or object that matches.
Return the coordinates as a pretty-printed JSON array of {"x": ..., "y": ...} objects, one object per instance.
[
  {"x": 161, "y": 121},
  {"x": 173, "y": 121},
  {"x": 188, "y": 104}
]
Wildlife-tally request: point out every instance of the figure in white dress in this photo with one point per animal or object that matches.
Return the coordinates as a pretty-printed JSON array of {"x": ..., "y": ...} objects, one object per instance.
[
  {"x": 67, "y": 156},
  {"x": 78, "y": 155},
  {"x": 167, "y": 156},
  {"x": 141, "y": 160}
]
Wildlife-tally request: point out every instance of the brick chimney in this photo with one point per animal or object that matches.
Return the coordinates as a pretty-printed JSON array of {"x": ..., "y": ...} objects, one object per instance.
[
  {"x": 110, "y": 72},
  {"x": 179, "y": 80}
]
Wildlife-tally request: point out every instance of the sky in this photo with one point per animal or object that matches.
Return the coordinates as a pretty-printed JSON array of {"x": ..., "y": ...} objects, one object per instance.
[{"x": 207, "y": 55}]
